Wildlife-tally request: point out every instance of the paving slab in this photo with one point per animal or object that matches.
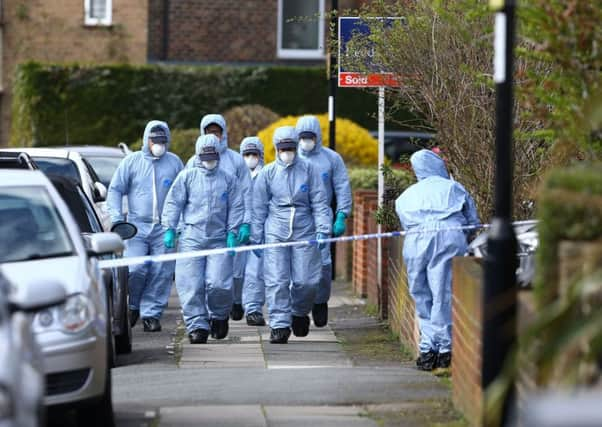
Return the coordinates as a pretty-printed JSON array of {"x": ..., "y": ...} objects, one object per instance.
[
  {"x": 319, "y": 349},
  {"x": 317, "y": 416},
  {"x": 245, "y": 386},
  {"x": 214, "y": 416}
]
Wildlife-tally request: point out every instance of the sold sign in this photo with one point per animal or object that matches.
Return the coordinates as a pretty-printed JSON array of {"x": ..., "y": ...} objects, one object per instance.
[{"x": 348, "y": 27}]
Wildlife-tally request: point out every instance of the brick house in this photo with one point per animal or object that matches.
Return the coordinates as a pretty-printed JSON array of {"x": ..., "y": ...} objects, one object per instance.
[
  {"x": 168, "y": 31},
  {"x": 235, "y": 31},
  {"x": 63, "y": 31}
]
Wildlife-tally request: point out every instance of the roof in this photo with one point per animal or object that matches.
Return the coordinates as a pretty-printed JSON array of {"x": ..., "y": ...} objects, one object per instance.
[
  {"x": 96, "y": 150},
  {"x": 21, "y": 178},
  {"x": 42, "y": 152}
]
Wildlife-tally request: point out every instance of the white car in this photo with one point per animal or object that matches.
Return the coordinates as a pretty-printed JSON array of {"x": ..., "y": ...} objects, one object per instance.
[
  {"x": 22, "y": 377},
  {"x": 70, "y": 164},
  {"x": 41, "y": 241}
]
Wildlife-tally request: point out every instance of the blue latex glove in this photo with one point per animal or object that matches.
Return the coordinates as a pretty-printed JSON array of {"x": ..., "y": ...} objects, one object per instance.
[
  {"x": 321, "y": 236},
  {"x": 231, "y": 242},
  {"x": 339, "y": 227},
  {"x": 244, "y": 233},
  {"x": 169, "y": 239}
]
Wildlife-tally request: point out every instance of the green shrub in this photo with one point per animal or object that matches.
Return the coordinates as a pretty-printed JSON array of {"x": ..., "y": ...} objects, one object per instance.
[
  {"x": 76, "y": 104},
  {"x": 569, "y": 208},
  {"x": 363, "y": 179},
  {"x": 247, "y": 120}
]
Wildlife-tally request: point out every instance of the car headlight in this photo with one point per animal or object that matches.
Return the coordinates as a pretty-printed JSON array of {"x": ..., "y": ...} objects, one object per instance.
[
  {"x": 76, "y": 314},
  {"x": 7, "y": 406}
]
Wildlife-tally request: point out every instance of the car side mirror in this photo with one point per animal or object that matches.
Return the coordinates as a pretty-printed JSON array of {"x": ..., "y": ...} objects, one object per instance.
[
  {"x": 100, "y": 244},
  {"x": 126, "y": 230},
  {"x": 100, "y": 192},
  {"x": 36, "y": 296}
]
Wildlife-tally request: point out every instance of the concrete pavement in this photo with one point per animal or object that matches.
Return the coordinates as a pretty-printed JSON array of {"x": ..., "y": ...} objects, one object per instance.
[{"x": 319, "y": 380}]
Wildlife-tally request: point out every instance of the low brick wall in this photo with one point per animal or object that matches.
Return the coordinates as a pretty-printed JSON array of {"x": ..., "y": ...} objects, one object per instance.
[
  {"x": 466, "y": 342},
  {"x": 343, "y": 264},
  {"x": 364, "y": 253},
  {"x": 402, "y": 315}
]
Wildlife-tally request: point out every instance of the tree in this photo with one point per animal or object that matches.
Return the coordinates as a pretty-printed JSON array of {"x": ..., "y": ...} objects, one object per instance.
[{"x": 442, "y": 52}]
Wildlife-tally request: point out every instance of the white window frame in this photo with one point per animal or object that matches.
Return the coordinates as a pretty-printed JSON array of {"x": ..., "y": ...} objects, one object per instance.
[
  {"x": 301, "y": 53},
  {"x": 108, "y": 19}
]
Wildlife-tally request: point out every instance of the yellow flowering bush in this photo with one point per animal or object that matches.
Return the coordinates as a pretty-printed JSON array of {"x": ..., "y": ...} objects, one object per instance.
[{"x": 354, "y": 143}]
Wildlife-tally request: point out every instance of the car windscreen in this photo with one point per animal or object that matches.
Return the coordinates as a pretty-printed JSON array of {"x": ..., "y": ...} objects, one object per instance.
[
  {"x": 30, "y": 226},
  {"x": 104, "y": 167},
  {"x": 58, "y": 166}
]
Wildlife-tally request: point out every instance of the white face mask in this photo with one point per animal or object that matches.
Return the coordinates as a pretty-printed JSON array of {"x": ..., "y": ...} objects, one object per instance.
[
  {"x": 209, "y": 164},
  {"x": 252, "y": 161},
  {"x": 287, "y": 157},
  {"x": 307, "y": 144},
  {"x": 158, "y": 150}
]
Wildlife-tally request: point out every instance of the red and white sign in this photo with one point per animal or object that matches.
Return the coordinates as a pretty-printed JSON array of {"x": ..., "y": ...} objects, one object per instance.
[
  {"x": 373, "y": 76},
  {"x": 351, "y": 79}
]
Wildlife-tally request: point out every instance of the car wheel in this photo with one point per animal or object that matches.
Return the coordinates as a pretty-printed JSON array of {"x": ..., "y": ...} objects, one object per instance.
[
  {"x": 123, "y": 341},
  {"x": 100, "y": 414}
]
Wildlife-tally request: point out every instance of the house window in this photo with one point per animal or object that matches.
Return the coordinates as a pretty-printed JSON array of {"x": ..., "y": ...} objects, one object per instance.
[
  {"x": 98, "y": 12},
  {"x": 300, "y": 29}
]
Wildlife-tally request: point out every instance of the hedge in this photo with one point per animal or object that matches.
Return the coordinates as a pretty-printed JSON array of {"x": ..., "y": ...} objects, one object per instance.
[
  {"x": 569, "y": 208},
  {"x": 363, "y": 178},
  {"x": 81, "y": 104}
]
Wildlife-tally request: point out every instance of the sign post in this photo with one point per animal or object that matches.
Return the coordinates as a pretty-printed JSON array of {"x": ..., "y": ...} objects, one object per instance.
[{"x": 348, "y": 28}]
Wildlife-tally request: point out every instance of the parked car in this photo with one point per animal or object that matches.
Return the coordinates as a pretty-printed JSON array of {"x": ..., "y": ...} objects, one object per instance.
[
  {"x": 398, "y": 143},
  {"x": 527, "y": 240},
  {"x": 41, "y": 241},
  {"x": 22, "y": 381},
  {"x": 104, "y": 160},
  {"x": 16, "y": 160},
  {"x": 115, "y": 279},
  {"x": 63, "y": 161}
]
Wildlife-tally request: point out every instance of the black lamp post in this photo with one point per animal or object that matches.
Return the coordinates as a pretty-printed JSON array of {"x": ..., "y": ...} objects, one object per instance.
[
  {"x": 499, "y": 308},
  {"x": 332, "y": 92}
]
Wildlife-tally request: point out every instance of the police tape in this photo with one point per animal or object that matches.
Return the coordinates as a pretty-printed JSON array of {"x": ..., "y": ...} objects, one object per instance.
[{"x": 174, "y": 256}]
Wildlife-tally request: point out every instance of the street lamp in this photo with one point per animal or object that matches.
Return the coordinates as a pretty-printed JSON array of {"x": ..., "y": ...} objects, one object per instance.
[{"x": 499, "y": 295}]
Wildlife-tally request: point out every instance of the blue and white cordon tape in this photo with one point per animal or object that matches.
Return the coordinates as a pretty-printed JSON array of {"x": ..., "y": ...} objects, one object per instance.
[{"x": 124, "y": 262}]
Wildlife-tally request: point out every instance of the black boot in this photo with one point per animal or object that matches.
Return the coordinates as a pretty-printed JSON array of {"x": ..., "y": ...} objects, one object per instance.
[
  {"x": 255, "y": 319},
  {"x": 280, "y": 335},
  {"x": 219, "y": 328},
  {"x": 134, "y": 316},
  {"x": 444, "y": 360},
  {"x": 427, "y": 361},
  {"x": 319, "y": 313},
  {"x": 151, "y": 324},
  {"x": 237, "y": 312},
  {"x": 198, "y": 336},
  {"x": 300, "y": 326}
]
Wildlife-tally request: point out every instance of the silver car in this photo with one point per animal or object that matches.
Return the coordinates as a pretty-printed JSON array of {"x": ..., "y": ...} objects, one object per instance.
[
  {"x": 70, "y": 164},
  {"x": 22, "y": 381},
  {"x": 527, "y": 240},
  {"x": 42, "y": 242}
]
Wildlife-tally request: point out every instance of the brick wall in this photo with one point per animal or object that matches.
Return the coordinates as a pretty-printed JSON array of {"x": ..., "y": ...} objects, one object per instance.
[
  {"x": 365, "y": 253},
  {"x": 343, "y": 261},
  {"x": 466, "y": 341},
  {"x": 54, "y": 31},
  {"x": 402, "y": 314},
  {"x": 364, "y": 205},
  {"x": 219, "y": 31}
]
